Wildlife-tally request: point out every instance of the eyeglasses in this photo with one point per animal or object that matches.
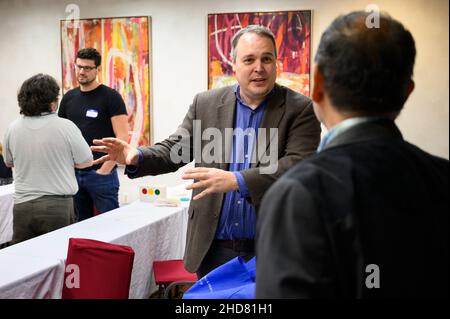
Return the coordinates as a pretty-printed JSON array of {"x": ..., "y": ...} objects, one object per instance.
[{"x": 86, "y": 68}]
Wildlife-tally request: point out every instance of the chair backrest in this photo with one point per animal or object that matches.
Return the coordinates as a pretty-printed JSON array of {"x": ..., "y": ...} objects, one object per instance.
[
  {"x": 97, "y": 270},
  {"x": 168, "y": 271}
]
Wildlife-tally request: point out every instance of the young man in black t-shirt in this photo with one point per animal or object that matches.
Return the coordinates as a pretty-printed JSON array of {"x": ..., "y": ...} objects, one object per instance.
[{"x": 98, "y": 111}]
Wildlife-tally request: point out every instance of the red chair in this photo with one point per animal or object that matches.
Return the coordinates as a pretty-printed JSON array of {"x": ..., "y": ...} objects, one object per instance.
[
  {"x": 97, "y": 270},
  {"x": 171, "y": 273}
]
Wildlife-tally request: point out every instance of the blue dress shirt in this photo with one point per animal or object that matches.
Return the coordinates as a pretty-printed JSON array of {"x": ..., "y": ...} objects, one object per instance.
[{"x": 238, "y": 217}]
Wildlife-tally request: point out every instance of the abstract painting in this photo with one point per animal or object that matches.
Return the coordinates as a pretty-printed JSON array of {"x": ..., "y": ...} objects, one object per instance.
[
  {"x": 124, "y": 46},
  {"x": 292, "y": 30}
]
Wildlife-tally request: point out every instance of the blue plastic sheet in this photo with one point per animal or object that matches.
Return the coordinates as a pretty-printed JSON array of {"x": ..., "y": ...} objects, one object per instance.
[{"x": 233, "y": 280}]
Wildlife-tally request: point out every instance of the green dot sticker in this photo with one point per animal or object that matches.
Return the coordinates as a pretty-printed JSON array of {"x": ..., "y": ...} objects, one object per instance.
[{"x": 157, "y": 192}]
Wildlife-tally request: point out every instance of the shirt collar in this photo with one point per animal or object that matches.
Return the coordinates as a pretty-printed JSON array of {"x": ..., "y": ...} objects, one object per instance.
[
  {"x": 46, "y": 113},
  {"x": 342, "y": 127},
  {"x": 237, "y": 92}
]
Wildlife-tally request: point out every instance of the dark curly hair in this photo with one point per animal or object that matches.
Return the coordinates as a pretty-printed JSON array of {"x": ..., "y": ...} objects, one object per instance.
[
  {"x": 366, "y": 70},
  {"x": 36, "y": 94},
  {"x": 90, "y": 54}
]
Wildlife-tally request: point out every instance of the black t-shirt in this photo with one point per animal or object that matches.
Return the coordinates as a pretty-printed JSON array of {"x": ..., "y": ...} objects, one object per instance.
[
  {"x": 92, "y": 111},
  {"x": 5, "y": 172}
]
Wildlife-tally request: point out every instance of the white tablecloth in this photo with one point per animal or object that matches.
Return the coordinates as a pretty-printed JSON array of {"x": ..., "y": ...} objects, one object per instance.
[
  {"x": 30, "y": 277},
  {"x": 6, "y": 214},
  {"x": 155, "y": 233}
]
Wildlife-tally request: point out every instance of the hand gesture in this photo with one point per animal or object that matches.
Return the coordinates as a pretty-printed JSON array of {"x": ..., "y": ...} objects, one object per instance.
[
  {"x": 213, "y": 180},
  {"x": 117, "y": 150}
]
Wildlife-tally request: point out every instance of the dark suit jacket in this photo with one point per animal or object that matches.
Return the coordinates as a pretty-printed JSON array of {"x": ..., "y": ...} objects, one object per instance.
[
  {"x": 298, "y": 137},
  {"x": 369, "y": 198}
]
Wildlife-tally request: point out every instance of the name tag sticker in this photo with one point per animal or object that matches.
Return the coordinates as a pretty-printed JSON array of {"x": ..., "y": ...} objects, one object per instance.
[{"x": 92, "y": 113}]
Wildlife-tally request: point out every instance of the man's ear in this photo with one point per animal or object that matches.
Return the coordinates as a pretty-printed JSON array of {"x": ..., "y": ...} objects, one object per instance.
[
  {"x": 317, "y": 94},
  {"x": 54, "y": 106},
  {"x": 411, "y": 86},
  {"x": 409, "y": 89}
]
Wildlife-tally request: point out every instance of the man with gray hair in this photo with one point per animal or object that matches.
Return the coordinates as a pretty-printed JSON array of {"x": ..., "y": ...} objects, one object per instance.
[{"x": 227, "y": 190}]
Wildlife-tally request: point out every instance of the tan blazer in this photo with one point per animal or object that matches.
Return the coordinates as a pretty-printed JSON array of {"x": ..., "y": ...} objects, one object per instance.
[{"x": 298, "y": 137}]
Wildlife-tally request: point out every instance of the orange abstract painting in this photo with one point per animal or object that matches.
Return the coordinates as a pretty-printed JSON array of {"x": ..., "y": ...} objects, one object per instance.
[
  {"x": 292, "y": 30},
  {"x": 124, "y": 46}
]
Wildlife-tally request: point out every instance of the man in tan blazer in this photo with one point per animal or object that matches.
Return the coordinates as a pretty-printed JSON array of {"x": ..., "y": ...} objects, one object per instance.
[{"x": 242, "y": 138}]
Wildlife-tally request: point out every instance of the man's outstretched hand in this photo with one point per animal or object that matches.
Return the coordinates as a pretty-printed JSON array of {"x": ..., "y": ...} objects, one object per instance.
[
  {"x": 211, "y": 180},
  {"x": 117, "y": 150}
]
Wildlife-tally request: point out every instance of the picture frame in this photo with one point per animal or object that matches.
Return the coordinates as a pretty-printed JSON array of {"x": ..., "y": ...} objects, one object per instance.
[
  {"x": 292, "y": 31},
  {"x": 124, "y": 44}
]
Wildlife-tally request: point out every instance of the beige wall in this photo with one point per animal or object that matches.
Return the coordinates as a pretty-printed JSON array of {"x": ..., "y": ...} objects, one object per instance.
[{"x": 29, "y": 43}]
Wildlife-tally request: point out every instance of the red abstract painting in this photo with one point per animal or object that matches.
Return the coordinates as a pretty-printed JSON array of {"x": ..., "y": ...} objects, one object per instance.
[
  {"x": 292, "y": 30},
  {"x": 124, "y": 46}
]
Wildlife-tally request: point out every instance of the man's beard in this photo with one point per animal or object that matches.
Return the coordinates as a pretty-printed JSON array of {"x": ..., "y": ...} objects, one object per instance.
[{"x": 86, "y": 81}]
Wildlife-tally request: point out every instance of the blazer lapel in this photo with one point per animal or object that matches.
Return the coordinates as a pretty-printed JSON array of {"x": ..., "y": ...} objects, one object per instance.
[
  {"x": 272, "y": 116},
  {"x": 225, "y": 120}
]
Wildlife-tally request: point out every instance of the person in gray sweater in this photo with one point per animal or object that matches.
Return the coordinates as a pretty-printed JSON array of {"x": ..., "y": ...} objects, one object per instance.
[{"x": 44, "y": 150}]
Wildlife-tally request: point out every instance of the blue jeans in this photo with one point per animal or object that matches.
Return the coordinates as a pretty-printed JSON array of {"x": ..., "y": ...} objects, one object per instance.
[{"x": 101, "y": 191}]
